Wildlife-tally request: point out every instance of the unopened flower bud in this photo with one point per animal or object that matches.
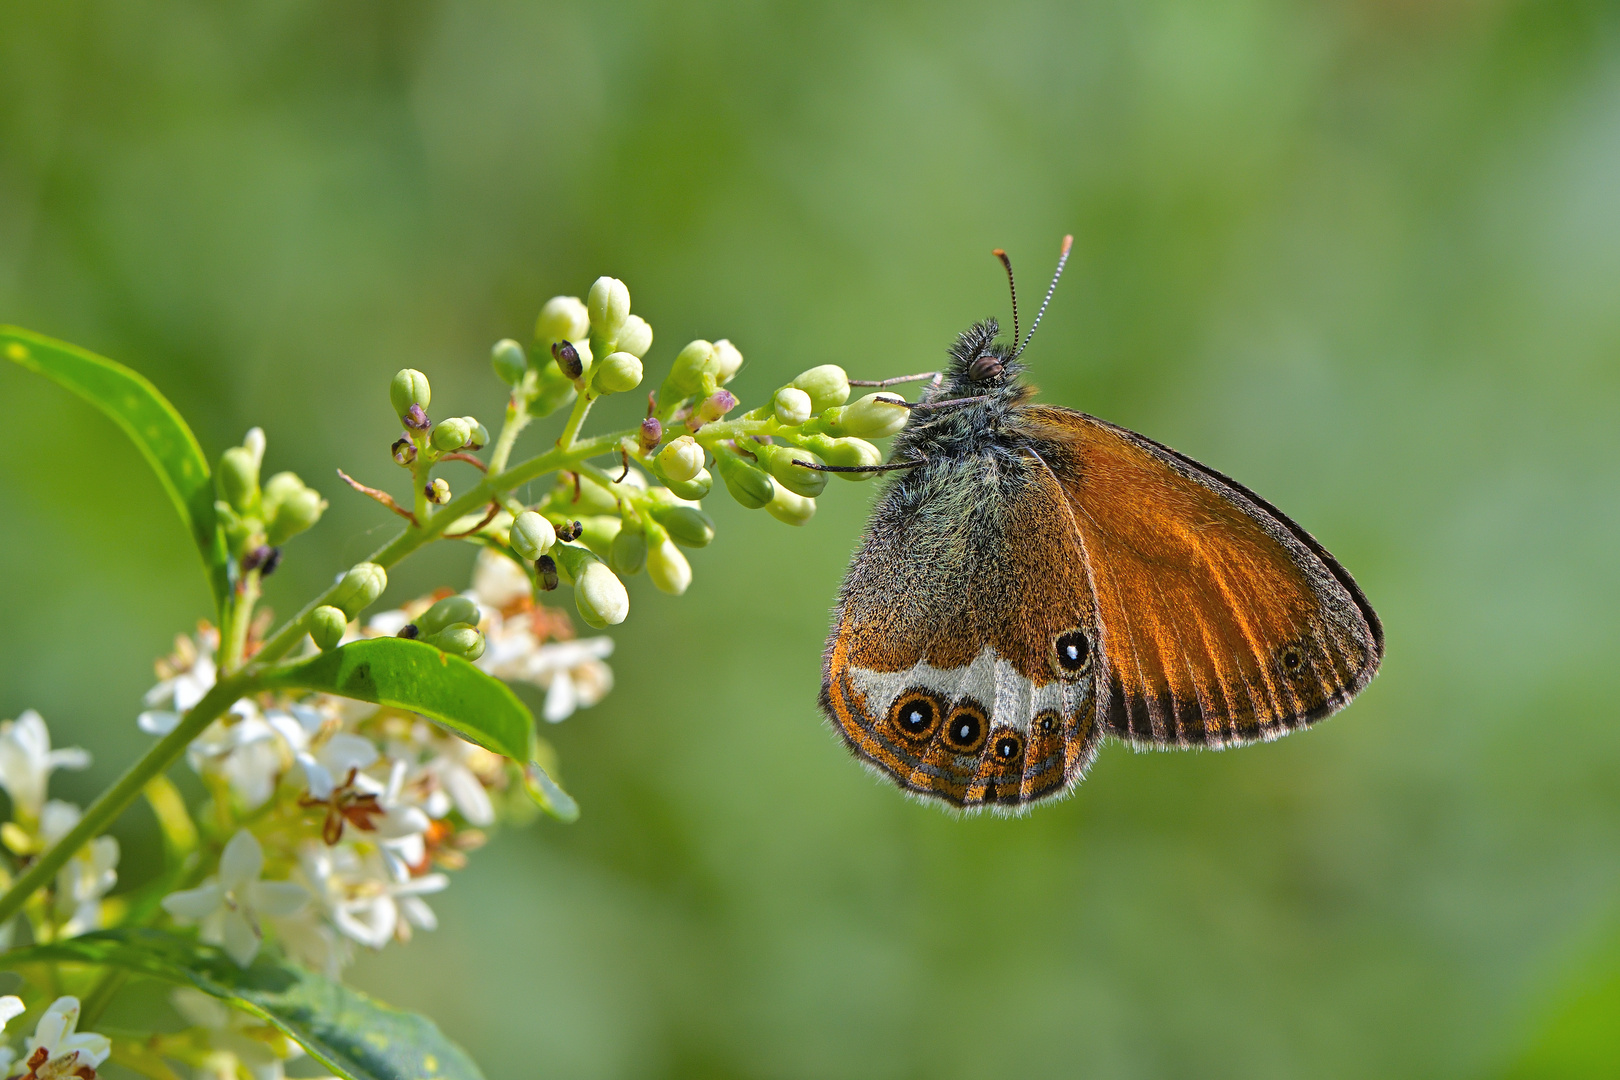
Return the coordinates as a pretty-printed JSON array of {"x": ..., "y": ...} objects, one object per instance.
[
  {"x": 569, "y": 531},
  {"x": 509, "y": 360},
  {"x": 290, "y": 507},
  {"x": 532, "y": 535},
  {"x": 327, "y": 626},
  {"x": 563, "y": 318},
  {"x": 410, "y": 387},
  {"x": 459, "y": 640},
  {"x": 693, "y": 489},
  {"x": 404, "y": 452},
  {"x": 568, "y": 359},
  {"x": 598, "y": 593},
  {"x": 416, "y": 418},
  {"x": 848, "y": 452},
  {"x": 872, "y": 417},
  {"x": 792, "y": 406},
  {"x": 437, "y": 492},
  {"x": 789, "y": 507},
  {"x": 681, "y": 460},
  {"x": 782, "y": 463},
  {"x": 545, "y": 570},
  {"x": 237, "y": 479},
  {"x": 827, "y": 386},
  {"x": 478, "y": 437},
  {"x": 668, "y": 568},
  {"x": 451, "y": 434},
  {"x": 714, "y": 407},
  {"x": 651, "y": 433},
  {"x": 450, "y": 610},
  {"x": 628, "y": 553},
  {"x": 747, "y": 482},
  {"x": 635, "y": 337},
  {"x": 253, "y": 443},
  {"x": 686, "y": 525},
  {"x": 694, "y": 369},
  {"x": 360, "y": 588},
  {"x": 617, "y": 373},
  {"x": 609, "y": 305},
  {"x": 728, "y": 360}
]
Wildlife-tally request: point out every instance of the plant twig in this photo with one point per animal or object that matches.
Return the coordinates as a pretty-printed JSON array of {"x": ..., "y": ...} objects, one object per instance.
[
  {"x": 468, "y": 458},
  {"x": 494, "y": 508},
  {"x": 381, "y": 496}
]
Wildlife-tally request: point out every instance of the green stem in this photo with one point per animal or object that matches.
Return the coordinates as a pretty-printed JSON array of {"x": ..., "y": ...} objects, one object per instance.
[
  {"x": 492, "y": 486},
  {"x": 576, "y": 419},
  {"x": 100, "y": 996},
  {"x": 238, "y": 617},
  {"x": 112, "y": 802},
  {"x": 517, "y": 418}
]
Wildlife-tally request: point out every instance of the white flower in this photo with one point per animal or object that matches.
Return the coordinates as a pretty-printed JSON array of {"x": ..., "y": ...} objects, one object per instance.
[
  {"x": 314, "y": 942},
  {"x": 239, "y": 1041},
  {"x": 86, "y": 877},
  {"x": 11, "y": 1007},
  {"x": 364, "y": 898},
  {"x": 571, "y": 672},
  {"x": 247, "y": 751},
  {"x": 229, "y": 905},
  {"x": 333, "y": 761},
  {"x": 456, "y": 771},
  {"x": 498, "y": 582},
  {"x": 65, "y": 1051},
  {"x": 27, "y": 761},
  {"x": 194, "y": 675}
]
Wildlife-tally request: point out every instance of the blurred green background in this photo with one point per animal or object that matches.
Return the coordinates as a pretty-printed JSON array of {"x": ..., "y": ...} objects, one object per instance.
[{"x": 1364, "y": 256}]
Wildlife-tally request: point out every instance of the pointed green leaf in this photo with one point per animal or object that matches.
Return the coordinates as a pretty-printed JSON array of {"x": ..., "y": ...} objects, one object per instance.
[
  {"x": 346, "y": 1031},
  {"x": 146, "y": 416},
  {"x": 410, "y": 675}
]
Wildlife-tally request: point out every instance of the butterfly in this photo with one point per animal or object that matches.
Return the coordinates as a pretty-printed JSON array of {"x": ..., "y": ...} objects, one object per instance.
[{"x": 1035, "y": 579}]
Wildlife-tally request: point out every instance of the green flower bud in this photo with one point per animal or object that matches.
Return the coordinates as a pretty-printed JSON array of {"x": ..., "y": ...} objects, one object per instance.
[
  {"x": 509, "y": 360},
  {"x": 686, "y": 525},
  {"x": 827, "y": 386},
  {"x": 779, "y": 461},
  {"x": 327, "y": 626},
  {"x": 410, "y": 387},
  {"x": 450, "y": 610},
  {"x": 635, "y": 337},
  {"x": 617, "y": 373},
  {"x": 253, "y": 442},
  {"x": 789, "y": 507},
  {"x": 459, "y": 639},
  {"x": 693, "y": 489},
  {"x": 564, "y": 318},
  {"x": 681, "y": 460},
  {"x": 587, "y": 497},
  {"x": 289, "y": 508},
  {"x": 695, "y": 371},
  {"x": 598, "y": 594},
  {"x": 747, "y": 482},
  {"x": 360, "y": 588},
  {"x": 237, "y": 479},
  {"x": 437, "y": 492},
  {"x": 792, "y": 406},
  {"x": 404, "y": 452},
  {"x": 609, "y": 306},
  {"x": 668, "y": 568},
  {"x": 872, "y": 417},
  {"x": 728, "y": 359},
  {"x": 846, "y": 452},
  {"x": 479, "y": 435},
  {"x": 451, "y": 434},
  {"x": 628, "y": 553},
  {"x": 532, "y": 535},
  {"x": 599, "y": 533}
]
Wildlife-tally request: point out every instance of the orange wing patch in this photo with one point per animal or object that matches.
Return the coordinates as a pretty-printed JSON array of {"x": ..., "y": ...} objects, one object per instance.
[{"x": 1220, "y": 620}]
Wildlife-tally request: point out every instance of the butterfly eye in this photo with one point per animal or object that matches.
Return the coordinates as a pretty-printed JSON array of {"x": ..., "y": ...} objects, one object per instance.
[
  {"x": 916, "y": 715},
  {"x": 1009, "y": 746},
  {"x": 965, "y": 730},
  {"x": 1072, "y": 651},
  {"x": 984, "y": 368}
]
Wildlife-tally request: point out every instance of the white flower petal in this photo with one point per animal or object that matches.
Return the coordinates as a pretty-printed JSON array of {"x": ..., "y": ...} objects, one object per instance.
[
  {"x": 57, "y": 1023},
  {"x": 316, "y": 778},
  {"x": 279, "y": 898},
  {"x": 560, "y": 697},
  {"x": 241, "y": 941},
  {"x": 241, "y": 861},
  {"x": 196, "y": 904},
  {"x": 11, "y": 1007},
  {"x": 416, "y": 910},
  {"x": 157, "y": 721},
  {"x": 469, "y": 795},
  {"x": 343, "y": 752},
  {"x": 69, "y": 757}
]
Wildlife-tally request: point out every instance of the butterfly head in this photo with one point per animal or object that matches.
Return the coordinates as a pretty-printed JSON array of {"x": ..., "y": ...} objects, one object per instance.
[{"x": 981, "y": 365}]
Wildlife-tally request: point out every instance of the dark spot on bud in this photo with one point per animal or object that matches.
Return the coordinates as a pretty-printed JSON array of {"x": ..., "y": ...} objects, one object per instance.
[
  {"x": 1009, "y": 747},
  {"x": 984, "y": 368},
  {"x": 545, "y": 569},
  {"x": 255, "y": 558},
  {"x": 651, "y": 433},
  {"x": 404, "y": 451},
  {"x": 1073, "y": 653},
  {"x": 567, "y": 358},
  {"x": 409, "y": 632},
  {"x": 570, "y": 532},
  {"x": 271, "y": 561},
  {"x": 417, "y": 419}
]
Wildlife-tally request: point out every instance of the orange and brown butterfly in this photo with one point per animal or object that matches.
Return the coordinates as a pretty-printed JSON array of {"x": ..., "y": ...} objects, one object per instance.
[{"x": 1036, "y": 578}]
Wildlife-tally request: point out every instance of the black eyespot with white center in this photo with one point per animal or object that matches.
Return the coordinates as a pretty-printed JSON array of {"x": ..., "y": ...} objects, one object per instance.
[
  {"x": 1008, "y": 747},
  {"x": 1071, "y": 653},
  {"x": 916, "y": 715},
  {"x": 966, "y": 727},
  {"x": 1046, "y": 723},
  {"x": 1291, "y": 658}
]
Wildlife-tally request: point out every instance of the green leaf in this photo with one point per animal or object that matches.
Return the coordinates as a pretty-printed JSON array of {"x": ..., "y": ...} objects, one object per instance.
[
  {"x": 346, "y": 1031},
  {"x": 146, "y": 416},
  {"x": 410, "y": 675}
]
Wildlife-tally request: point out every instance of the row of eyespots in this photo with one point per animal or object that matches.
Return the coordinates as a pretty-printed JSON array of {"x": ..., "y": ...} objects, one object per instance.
[{"x": 917, "y": 715}]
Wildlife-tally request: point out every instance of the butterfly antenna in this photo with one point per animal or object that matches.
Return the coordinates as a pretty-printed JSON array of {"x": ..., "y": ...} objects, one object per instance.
[
  {"x": 1011, "y": 287},
  {"x": 1063, "y": 257}
]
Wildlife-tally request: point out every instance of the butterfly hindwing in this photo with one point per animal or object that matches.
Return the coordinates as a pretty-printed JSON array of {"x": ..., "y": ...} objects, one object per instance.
[{"x": 1222, "y": 621}]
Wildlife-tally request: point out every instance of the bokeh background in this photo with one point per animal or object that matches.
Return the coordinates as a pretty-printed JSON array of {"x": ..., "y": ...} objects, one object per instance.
[{"x": 1363, "y": 255}]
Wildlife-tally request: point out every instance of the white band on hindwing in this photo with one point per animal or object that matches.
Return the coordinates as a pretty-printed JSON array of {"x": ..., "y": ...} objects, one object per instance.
[{"x": 1009, "y": 698}]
